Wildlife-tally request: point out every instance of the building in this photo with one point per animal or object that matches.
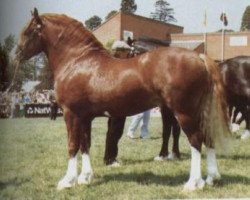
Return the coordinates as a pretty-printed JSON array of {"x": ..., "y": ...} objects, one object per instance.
[
  {"x": 121, "y": 25},
  {"x": 216, "y": 45}
]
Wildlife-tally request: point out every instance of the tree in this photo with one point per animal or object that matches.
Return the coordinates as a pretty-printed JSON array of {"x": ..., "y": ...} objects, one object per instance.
[
  {"x": 5, "y": 51},
  {"x": 109, "y": 44},
  {"x": 110, "y": 14},
  {"x": 8, "y": 66},
  {"x": 163, "y": 12},
  {"x": 3, "y": 66},
  {"x": 245, "y": 23},
  {"x": 24, "y": 73},
  {"x": 93, "y": 22},
  {"x": 46, "y": 76},
  {"x": 128, "y": 6}
]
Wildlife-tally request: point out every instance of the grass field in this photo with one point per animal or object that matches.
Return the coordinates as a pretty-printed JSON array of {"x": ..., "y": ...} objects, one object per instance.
[{"x": 33, "y": 157}]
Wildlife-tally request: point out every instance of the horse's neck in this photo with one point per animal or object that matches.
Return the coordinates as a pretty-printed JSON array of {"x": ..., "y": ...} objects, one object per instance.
[{"x": 62, "y": 48}]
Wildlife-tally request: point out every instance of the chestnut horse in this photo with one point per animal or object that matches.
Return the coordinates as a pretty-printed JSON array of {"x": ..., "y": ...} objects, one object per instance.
[{"x": 89, "y": 83}]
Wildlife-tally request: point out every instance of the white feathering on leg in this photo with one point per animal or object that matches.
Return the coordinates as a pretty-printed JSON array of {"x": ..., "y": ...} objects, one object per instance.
[
  {"x": 212, "y": 169},
  {"x": 87, "y": 172},
  {"x": 69, "y": 179},
  {"x": 195, "y": 180}
]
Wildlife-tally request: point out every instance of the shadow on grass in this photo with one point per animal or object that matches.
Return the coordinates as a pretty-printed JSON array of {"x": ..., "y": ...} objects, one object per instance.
[
  {"x": 13, "y": 182},
  {"x": 235, "y": 157},
  {"x": 136, "y": 138},
  {"x": 232, "y": 179},
  {"x": 184, "y": 156},
  {"x": 146, "y": 178}
]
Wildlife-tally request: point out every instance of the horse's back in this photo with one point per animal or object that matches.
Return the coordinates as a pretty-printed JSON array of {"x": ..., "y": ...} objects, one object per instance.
[
  {"x": 178, "y": 74},
  {"x": 236, "y": 77}
]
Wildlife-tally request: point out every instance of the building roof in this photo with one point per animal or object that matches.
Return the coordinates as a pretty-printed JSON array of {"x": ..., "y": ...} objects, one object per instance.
[{"x": 136, "y": 16}]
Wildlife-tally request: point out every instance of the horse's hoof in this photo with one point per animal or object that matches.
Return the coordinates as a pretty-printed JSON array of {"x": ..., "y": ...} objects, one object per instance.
[
  {"x": 85, "y": 178},
  {"x": 172, "y": 156},
  {"x": 245, "y": 135},
  {"x": 160, "y": 158},
  {"x": 210, "y": 180},
  {"x": 192, "y": 185},
  {"x": 66, "y": 183},
  {"x": 235, "y": 127},
  {"x": 114, "y": 164}
]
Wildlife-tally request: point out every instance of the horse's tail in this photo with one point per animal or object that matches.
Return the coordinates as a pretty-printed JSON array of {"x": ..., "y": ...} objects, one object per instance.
[{"x": 215, "y": 119}]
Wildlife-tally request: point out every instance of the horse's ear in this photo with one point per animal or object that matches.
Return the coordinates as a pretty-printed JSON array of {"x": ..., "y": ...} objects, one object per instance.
[
  {"x": 36, "y": 13},
  {"x": 36, "y": 16}
]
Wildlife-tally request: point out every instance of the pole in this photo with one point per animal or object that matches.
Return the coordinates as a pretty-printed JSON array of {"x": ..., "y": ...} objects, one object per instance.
[
  {"x": 205, "y": 42},
  {"x": 205, "y": 32},
  {"x": 223, "y": 42},
  {"x": 223, "y": 34}
]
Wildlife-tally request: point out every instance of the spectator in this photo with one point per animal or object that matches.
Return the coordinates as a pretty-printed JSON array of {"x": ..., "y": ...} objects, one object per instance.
[
  {"x": 136, "y": 119},
  {"x": 53, "y": 108},
  {"x": 14, "y": 105},
  {"x": 27, "y": 98}
]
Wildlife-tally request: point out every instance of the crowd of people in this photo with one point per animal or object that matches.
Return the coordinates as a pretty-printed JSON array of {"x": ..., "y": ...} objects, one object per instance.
[{"x": 12, "y": 103}]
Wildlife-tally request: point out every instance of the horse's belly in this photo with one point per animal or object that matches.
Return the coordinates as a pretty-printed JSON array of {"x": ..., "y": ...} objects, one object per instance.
[{"x": 131, "y": 106}]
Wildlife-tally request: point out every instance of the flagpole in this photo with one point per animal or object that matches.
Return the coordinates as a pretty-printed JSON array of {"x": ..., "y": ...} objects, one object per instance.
[
  {"x": 205, "y": 42},
  {"x": 223, "y": 36},
  {"x": 205, "y": 32},
  {"x": 222, "y": 43}
]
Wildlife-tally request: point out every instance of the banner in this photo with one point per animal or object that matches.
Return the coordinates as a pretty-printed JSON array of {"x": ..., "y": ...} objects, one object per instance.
[{"x": 39, "y": 110}]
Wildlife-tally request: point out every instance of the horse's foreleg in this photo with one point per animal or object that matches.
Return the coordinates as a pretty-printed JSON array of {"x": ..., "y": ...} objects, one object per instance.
[
  {"x": 235, "y": 113},
  {"x": 246, "y": 133},
  {"x": 234, "y": 126},
  {"x": 73, "y": 129},
  {"x": 115, "y": 130},
  {"x": 212, "y": 169},
  {"x": 86, "y": 174}
]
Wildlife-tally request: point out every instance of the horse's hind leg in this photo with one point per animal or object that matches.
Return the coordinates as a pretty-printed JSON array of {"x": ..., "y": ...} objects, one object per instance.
[
  {"x": 191, "y": 128},
  {"x": 167, "y": 118},
  {"x": 176, "y": 135},
  {"x": 212, "y": 169},
  {"x": 73, "y": 129},
  {"x": 195, "y": 178},
  {"x": 115, "y": 130}
]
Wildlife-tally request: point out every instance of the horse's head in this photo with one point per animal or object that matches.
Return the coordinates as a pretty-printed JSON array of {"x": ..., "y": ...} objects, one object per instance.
[{"x": 30, "y": 41}]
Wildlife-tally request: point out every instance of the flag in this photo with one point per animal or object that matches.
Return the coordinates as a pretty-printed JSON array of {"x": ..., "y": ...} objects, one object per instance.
[
  {"x": 205, "y": 19},
  {"x": 223, "y": 18}
]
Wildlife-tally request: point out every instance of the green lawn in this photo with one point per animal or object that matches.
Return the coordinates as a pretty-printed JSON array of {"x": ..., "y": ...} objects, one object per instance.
[{"x": 33, "y": 158}]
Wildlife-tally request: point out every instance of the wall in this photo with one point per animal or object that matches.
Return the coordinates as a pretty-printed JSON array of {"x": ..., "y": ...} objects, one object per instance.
[
  {"x": 232, "y": 48},
  {"x": 109, "y": 30},
  {"x": 140, "y": 26}
]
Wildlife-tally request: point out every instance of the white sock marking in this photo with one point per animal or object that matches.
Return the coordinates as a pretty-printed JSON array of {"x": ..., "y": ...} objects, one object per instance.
[
  {"x": 212, "y": 169},
  {"x": 87, "y": 172},
  {"x": 69, "y": 179},
  {"x": 195, "y": 179}
]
